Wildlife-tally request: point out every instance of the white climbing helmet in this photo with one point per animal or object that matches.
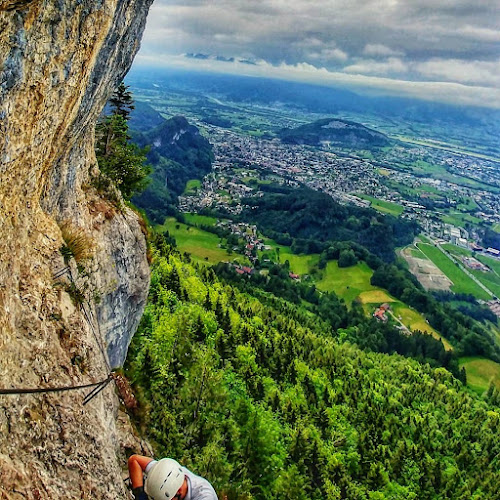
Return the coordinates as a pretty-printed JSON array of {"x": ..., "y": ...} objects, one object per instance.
[{"x": 164, "y": 479}]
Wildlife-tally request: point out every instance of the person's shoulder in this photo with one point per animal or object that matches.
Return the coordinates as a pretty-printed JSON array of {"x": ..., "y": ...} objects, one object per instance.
[{"x": 201, "y": 487}]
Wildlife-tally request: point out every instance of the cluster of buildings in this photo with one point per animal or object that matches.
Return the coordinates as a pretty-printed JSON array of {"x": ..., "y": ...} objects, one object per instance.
[
  {"x": 247, "y": 232},
  {"x": 474, "y": 264},
  {"x": 243, "y": 162}
]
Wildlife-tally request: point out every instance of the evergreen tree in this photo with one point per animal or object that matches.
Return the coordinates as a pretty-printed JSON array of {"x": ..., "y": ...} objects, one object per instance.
[
  {"x": 121, "y": 101},
  {"x": 120, "y": 160}
]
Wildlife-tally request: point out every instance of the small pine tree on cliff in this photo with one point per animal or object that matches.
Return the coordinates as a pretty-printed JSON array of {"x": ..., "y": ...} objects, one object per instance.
[
  {"x": 121, "y": 101},
  {"x": 120, "y": 160}
]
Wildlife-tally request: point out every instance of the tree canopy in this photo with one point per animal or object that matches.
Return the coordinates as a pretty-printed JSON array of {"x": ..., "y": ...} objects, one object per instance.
[{"x": 262, "y": 400}]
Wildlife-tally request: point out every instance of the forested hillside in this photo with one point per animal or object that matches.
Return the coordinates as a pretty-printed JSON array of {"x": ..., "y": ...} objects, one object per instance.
[
  {"x": 312, "y": 222},
  {"x": 336, "y": 132},
  {"x": 177, "y": 153},
  {"x": 311, "y": 218},
  {"x": 257, "y": 396}
]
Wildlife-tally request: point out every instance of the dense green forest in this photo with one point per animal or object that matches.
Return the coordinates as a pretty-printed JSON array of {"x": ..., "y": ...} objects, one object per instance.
[
  {"x": 310, "y": 219},
  {"x": 259, "y": 397},
  {"x": 346, "y": 324}
]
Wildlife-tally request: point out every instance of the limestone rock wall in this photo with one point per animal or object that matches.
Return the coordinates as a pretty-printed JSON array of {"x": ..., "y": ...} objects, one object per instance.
[{"x": 59, "y": 61}]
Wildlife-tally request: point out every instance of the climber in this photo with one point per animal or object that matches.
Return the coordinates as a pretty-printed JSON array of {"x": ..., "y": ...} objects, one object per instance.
[{"x": 166, "y": 479}]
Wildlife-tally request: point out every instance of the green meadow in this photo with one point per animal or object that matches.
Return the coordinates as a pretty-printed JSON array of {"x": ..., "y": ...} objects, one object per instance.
[
  {"x": 461, "y": 282},
  {"x": 201, "y": 245},
  {"x": 346, "y": 282},
  {"x": 299, "y": 264},
  {"x": 349, "y": 283},
  {"x": 386, "y": 207},
  {"x": 481, "y": 373},
  {"x": 192, "y": 186},
  {"x": 416, "y": 322},
  {"x": 459, "y": 219},
  {"x": 198, "y": 220}
]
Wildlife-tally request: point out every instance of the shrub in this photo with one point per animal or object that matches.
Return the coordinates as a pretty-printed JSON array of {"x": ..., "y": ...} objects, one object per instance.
[{"x": 77, "y": 244}]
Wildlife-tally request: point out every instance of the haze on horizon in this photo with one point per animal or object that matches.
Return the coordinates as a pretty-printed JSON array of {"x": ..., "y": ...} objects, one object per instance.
[{"x": 446, "y": 51}]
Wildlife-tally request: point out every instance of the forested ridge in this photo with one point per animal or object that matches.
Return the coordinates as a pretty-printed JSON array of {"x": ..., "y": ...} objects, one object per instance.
[
  {"x": 311, "y": 219},
  {"x": 261, "y": 399},
  {"x": 340, "y": 132},
  {"x": 177, "y": 153}
]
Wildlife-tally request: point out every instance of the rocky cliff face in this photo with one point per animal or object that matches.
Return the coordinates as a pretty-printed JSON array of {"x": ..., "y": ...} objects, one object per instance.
[{"x": 59, "y": 61}]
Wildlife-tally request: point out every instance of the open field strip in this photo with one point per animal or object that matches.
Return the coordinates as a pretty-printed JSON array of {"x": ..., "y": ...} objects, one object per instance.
[
  {"x": 383, "y": 206},
  {"x": 481, "y": 372},
  {"x": 459, "y": 219},
  {"x": 490, "y": 262},
  {"x": 197, "y": 220},
  {"x": 346, "y": 282},
  {"x": 461, "y": 282},
  {"x": 455, "y": 250},
  {"x": 489, "y": 279},
  {"x": 201, "y": 245}
]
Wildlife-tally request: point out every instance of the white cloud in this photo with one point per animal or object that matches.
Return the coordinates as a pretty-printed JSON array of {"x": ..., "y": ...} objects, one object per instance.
[
  {"x": 445, "y": 41},
  {"x": 369, "y": 66},
  {"x": 469, "y": 72},
  {"x": 377, "y": 49},
  {"x": 333, "y": 54}
]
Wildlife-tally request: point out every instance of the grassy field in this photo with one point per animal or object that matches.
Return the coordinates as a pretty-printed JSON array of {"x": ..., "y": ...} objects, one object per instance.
[
  {"x": 412, "y": 319},
  {"x": 376, "y": 297},
  {"x": 202, "y": 245},
  {"x": 491, "y": 262},
  {"x": 385, "y": 207},
  {"x": 192, "y": 186},
  {"x": 352, "y": 283},
  {"x": 459, "y": 219},
  {"x": 480, "y": 373},
  {"x": 490, "y": 279},
  {"x": 415, "y": 321},
  {"x": 347, "y": 282},
  {"x": 496, "y": 228},
  {"x": 415, "y": 252},
  {"x": 299, "y": 264},
  {"x": 461, "y": 282},
  {"x": 197, "y": 220},
  {"x": 424, "y": 238},
  {"x": 458, "y": 251}
]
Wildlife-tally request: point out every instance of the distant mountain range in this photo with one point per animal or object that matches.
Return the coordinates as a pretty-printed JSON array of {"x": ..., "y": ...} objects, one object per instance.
[
  {"x": 337, "y": 132},
  {"x": 475, "y": 127}
]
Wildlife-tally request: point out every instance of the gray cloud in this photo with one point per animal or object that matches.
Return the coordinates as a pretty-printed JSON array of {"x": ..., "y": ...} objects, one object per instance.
[{"x": 415, "y": 40}]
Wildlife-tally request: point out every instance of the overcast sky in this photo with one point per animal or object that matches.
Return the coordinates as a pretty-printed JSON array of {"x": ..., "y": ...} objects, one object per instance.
[{"x": 436, "y": 49}]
